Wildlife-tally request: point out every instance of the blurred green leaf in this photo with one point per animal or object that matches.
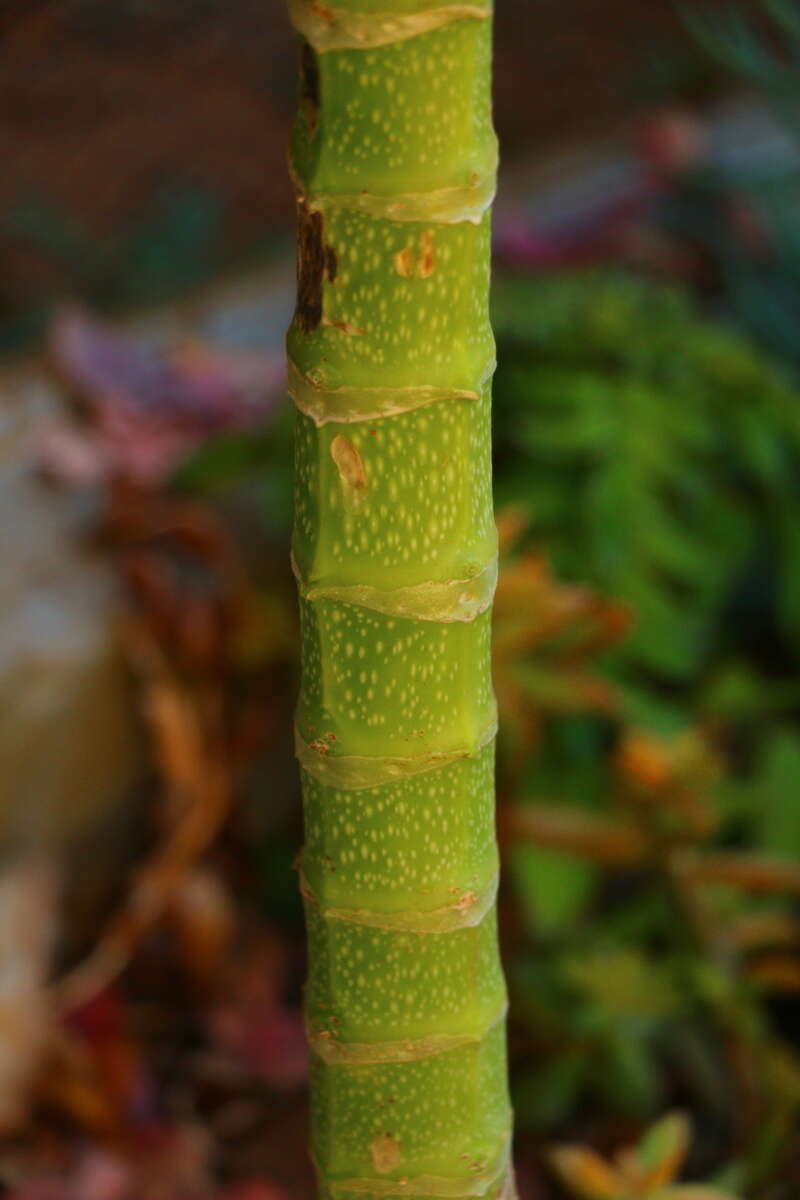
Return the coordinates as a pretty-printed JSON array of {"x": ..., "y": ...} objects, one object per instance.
[
  {"x": 545, "y": 1096},
  {"x": 629, "y": 1077},
  {"x": 663, "y": 1148},
  {"x": 225, "y": 460},
  {"x": 775, "y": 795},
  {"x": 786, "y": 14},
  {"x": 552, "y": 888},
  {"x": 789, "y": 574},
  {"x": 738, "y": 691},
  {"x": 623, "y": 983}
]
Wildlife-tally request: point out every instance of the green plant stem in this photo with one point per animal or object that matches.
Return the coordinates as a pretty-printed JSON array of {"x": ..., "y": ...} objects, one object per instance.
[{"x": 390, "y": 357}]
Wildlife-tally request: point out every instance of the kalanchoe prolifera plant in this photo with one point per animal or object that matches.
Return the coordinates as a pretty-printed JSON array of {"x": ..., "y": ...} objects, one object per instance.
[
  {"x": 647, "y": 1171},
  {"x": 391, "y": 356}
]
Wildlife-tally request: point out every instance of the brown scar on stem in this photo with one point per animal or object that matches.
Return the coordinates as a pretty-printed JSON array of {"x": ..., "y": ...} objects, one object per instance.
[
  {"x": 386, "y": 1153},
  {"x": 310, "y": 267},
  {"x": 406, "y": 265},
  {"x": 316, "y": 261},
  {"x": 350, "y": 465},
  {"x": 427, "y": 262},
  {"x": 344, "y": 327},
  {"x": 322, "y": 744}
]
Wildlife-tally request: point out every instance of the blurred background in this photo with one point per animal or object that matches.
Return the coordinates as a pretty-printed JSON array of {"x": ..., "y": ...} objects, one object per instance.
[{"x": 647, "y": 638}]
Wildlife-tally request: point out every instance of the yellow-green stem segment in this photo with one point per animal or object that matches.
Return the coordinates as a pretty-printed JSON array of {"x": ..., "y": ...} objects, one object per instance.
[{"x": 391, "y": 356}]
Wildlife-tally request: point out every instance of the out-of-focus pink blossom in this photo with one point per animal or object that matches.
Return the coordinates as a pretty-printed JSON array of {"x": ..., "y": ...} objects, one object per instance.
[
  {"x": 102, "y": 1177},
  {"x": 594, "y": 237},
  {"x": 42, "y": 1189},
  {"x": 270, "y": 1042},
  {"x": 667, "y": 143},
  {"x": 97, "y": 1176},
  {"x": 144, "y": 408}
]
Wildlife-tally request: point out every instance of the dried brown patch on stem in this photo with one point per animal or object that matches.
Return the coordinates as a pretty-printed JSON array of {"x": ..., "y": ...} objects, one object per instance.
[
  {"x": 352, "y": 472},
  {"x": 347, "y": 327},
  {"x": 407, "y": 265},
  {"x": 316, "y": 262},
  {"x": 404, "y": 263},
  {"x": 386, "y": 1153},
  {"x": 427, "y": 261}
]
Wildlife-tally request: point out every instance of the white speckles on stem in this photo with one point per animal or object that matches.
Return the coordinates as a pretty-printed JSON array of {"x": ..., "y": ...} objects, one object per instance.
[
  {"x": 382, "y": 982},
  {"x": 453, "y": 804},
  {"x": 394, "y": 542},
  {"x": 443, "y": 1099},
  {"x": 454, "y": 657},
  {"x": 425, "y": 516}
]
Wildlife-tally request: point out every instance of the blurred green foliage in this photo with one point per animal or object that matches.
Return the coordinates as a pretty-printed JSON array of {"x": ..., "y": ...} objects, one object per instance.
[
  {"x": 657, "y": 455},
  {"x": 653, "y": 454}
]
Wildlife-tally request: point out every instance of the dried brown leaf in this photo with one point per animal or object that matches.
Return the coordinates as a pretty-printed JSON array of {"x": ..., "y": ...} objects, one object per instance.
[
  {"x": 203, "y": 916},
  {"x": 579, "y": 833},
  {"x": 586, "y": 1173},
  {"x": 512, "y": 522},
  {"x": 776, "y": 973},
  {"x": 643, "y": 762},
  {"x": 754, "y": 930},
  {"x": 759, "y": 873},
  {"x": 177, "y": 736},
  {"x": 28, "y": 910}
]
